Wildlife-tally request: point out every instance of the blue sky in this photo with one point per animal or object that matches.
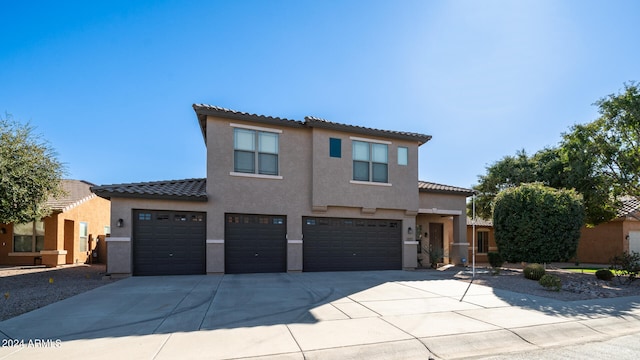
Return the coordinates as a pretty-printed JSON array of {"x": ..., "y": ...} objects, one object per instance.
[{"x": 110, "y": 84}]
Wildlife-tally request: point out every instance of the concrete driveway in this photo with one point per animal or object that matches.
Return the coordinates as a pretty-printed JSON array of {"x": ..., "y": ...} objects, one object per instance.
[{"x": 375, "y": 314}]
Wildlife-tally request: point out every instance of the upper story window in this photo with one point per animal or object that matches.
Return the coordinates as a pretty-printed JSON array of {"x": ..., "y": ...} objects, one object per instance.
[
  {"x": 28, "y": 237},
  {"x": 255, "y": 152},
  {"x": 335, "y": 147},
  {"x": 370, "y": 162},
  {"x": 403, "y": 155}
]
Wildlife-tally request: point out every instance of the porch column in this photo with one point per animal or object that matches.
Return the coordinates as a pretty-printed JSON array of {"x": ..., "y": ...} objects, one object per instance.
[{"x": 460, "y": 246}]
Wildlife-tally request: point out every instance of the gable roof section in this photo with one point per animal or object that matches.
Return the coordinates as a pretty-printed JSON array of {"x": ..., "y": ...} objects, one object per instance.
[
  {"x": 76, "y": 192},
  {"x": 629, "y": 206},
  {"x": 203, "y": 110},
  {"x": 429, "y": 187},
  {"x": 479, "y": 222},
  {"x": 188, "y": 190}
]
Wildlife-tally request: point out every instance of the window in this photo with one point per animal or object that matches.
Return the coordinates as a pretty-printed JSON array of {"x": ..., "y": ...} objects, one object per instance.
[
  {"x": 370, "y": 162},
  {"x": 84, "y": 236},
  {"x": 255, "y": 152},
  {"x": 28, "y": 237},
  {"x": 335, "y": 147},
  {"x": 403, "y": 155},
  {"x": 483, "y": 242}
]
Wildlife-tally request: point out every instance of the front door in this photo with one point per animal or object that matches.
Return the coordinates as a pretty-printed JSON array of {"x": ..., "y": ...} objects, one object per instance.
[{"x": 436, "y": 240}]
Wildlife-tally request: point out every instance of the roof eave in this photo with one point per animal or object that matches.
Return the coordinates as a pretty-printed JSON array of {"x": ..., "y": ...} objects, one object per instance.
[
  {"x": 420, "y": 138},
  {"x": 439, "y": 191},
  {"x": 109, "y": 195}
]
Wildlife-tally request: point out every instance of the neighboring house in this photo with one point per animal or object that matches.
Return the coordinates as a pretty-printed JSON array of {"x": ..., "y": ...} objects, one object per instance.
[
  {"x": 485, "y": 240},
  {"x": 283, "y": 195},
  {"x": 67, "y": 236},
  {"x": 599, "y": 244}
]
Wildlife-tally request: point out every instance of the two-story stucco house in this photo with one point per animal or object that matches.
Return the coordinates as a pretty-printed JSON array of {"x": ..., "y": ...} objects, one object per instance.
[{"x": 284, "y": 195}]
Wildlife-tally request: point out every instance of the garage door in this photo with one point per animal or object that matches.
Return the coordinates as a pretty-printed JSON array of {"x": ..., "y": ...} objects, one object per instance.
[
  {"x": 332, "y": 244},
  {"x": 634, "y": 241},
  {"x": 168, "y": 242},
  {"x": 255, "y": 243}
]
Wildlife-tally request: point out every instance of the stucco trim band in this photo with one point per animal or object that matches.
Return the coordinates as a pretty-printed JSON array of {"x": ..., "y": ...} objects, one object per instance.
[
  {"x": 439, "y": 211},
  {"x": 215, "y": 241},
  {"x": 53, "y": 252},
  {"x": 114, "y": 239},
  {"x": 411, "y": 243},
  {"x": 294, "y": 241}
]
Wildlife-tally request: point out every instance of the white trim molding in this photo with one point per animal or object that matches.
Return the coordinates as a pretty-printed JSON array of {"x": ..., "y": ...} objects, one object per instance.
[
  {"x": 114, "y": 239},
  {"x": 439, "y": 211},
  {"x": 411, "y": 242},
  {"x": 215, "y": 241},
  {"x": 259, "y": 176},
  {"x": 369, "y": 183},
  {"x": 259, "y": 128},
  {"x": 294, "y": 241}
]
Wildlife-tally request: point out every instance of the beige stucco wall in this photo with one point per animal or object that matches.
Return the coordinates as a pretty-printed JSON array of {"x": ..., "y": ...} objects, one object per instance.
[
  {"x": 332, "y": 177},
  {"x": 451, "y": 208}
]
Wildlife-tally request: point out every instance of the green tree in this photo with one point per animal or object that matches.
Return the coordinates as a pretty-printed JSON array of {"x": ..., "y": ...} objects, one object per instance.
[
  {"x": 509, "y": 172},
  {"x": 564, "y": 167},
  {"x": 537, "y": 223},
  {"x": 610, "y": 145},
  {"x": 29, "y": 173}
]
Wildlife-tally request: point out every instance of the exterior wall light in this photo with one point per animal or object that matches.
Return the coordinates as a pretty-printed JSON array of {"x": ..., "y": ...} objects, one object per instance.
[
  {"x": 409, "y": 230},
  {"x": 119, "y": 223}
]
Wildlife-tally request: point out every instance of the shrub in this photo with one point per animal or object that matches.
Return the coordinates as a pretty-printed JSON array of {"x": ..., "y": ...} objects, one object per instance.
[
  {"x": 604, "y": 274},
  {"x": 627, "y": 264},
  {"x": 551, "y": 282},
  {"x": 534, "y": 271},
  {"x": 495, "y": 260},
  {"x": 537, "y": 224}
]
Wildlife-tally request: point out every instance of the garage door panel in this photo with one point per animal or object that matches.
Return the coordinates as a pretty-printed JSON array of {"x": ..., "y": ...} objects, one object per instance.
[
  {"x": 332, "y": 244},
  {"x": 168, "y": 243},
  {"x": 255, "y": 243}
]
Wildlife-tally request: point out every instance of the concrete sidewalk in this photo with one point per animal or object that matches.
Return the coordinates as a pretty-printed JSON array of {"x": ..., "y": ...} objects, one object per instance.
[{"x": 373, "y": 315}]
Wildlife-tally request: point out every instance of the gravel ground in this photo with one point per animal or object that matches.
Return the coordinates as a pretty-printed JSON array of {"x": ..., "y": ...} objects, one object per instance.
[
  {"x": 30, "y": 288},
  {"x": 575, "y": 286},
  {"x": 26, "y": 289}
]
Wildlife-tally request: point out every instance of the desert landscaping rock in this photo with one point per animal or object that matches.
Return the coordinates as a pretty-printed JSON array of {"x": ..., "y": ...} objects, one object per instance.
[
  {"x": 575, "y": 286},
  {"x": 29, "y": 288}
]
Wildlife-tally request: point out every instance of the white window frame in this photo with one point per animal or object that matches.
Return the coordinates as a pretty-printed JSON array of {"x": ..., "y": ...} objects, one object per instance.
[
  {"x": 257, "y": 130},
  {"x": 370, "y": 143},
  {"x": 83, "y": 242}
]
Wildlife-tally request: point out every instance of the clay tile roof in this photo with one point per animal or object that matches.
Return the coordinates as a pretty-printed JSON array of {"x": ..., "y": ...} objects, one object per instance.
[
  {"x": 479, "y": 221},
  {"x": 629, "y": 205},
  {"x": 188, "y": 189},
  {"x": 76, "y": 192},
  {"x": 202, "y": 110},
  {"x": 425, "y": 186}
]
